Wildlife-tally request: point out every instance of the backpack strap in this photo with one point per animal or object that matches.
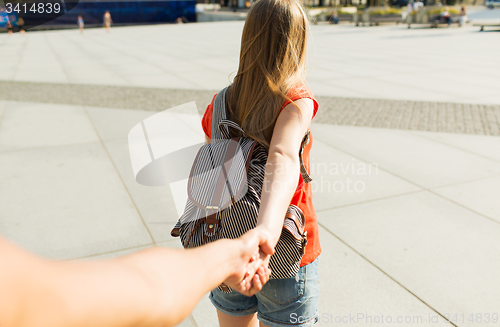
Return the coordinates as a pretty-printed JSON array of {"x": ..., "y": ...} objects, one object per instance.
[
  {"x": 220, "y": 130},
  {"x": 219, "y": 114},
  {"x": 303, "y": 171},
  {"x": 223, "y": 124}
]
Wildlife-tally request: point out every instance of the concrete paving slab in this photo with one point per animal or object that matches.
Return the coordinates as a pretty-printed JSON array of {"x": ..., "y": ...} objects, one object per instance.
[
  {"x": 66, "y": 202},
  {"x": 324, "y": 87},
  {"x": 419, "y": 63},
  {"x": 7, "y": 73},
  {"x": 124, "y": 252},
  {"x": 492, "y": 98},
  {"x": 104, "y": 81},
  {"x": 3, "y": 104},
  {"x": 115, "y": 124},
  {"x": 173, "y": 243},
  {"x": 441, "y": 252},
  {"x": 340, "y": 179},
  {"x": 155, "y": 203},
  {"x": 352, "y": 290},
  {"x": 186, "y": 323},
  {"x": 208, "y": 79},
  {"x": 165, "y": 80},
  {"x": 31, "y": 125},
  {"x": 455, "y": 90},
  {"x": 205, "y": 313},
  {"x": 481, "y": 196},
  {"x": 91, "y": 70},
  {"x": 181, "y": 66},
  {"x": 138, "y": 69},
  {"x": 41, "y": 75},
  {"x": 319, "y": 73},
  {"x": 424, "y": 162},
  {"x": 116, "y": 254},
  {"x": 486, "y": 146},
  {"x": 220, "y": 64}
]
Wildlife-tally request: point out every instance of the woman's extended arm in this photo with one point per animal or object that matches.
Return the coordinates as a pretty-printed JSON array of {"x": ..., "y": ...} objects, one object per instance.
[
  {"x": 283, "y": 167},
  {"x": 154, "y": 287}
]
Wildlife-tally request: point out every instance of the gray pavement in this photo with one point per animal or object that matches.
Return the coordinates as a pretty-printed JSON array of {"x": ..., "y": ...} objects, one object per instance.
[
  {"x": 408, "y": 208},
  {"x": 385, "y": 113},
  {"x": 386, "y": 62}
]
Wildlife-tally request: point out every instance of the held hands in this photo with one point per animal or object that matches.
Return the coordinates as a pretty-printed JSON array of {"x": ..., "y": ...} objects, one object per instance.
[{"x": 251, "y": 270}]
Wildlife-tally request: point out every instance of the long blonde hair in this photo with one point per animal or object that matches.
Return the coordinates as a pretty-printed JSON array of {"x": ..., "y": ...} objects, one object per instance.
[{"x": 272, "y": 60}]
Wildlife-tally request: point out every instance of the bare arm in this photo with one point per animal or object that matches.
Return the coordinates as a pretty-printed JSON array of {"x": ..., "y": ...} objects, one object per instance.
[
  {"x": 154, "y": 287},
  {"x": 283, "y": 167}
]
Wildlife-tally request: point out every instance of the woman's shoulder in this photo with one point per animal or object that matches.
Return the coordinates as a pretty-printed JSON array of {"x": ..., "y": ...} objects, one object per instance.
[
  {"x": 301, "y": 91},
  {"x": 206, "y": 121}
]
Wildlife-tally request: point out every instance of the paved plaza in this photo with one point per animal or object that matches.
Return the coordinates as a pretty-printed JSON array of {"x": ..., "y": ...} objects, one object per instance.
[{"x": 405, "y": 158}]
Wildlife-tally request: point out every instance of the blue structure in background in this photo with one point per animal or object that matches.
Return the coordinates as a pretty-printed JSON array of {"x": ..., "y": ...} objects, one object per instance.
[
  {"x": 4, "y": 18},
  {"x": 122, "y": 13},
  {"x": 131, "y": 12}
]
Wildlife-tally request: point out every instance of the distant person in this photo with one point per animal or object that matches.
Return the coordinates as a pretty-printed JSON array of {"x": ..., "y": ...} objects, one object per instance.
[
  {"x": 20, "y": 25},
  {"x": 81, "y": 23},
  {"x": 409, "y": 10},
  {"x": 179, "y": 20},
  {"x": 107, "y": 21},
  {"x": 446, "y": 17},
  {"x": 335, "y": 17},
  {"x": 9, "y": 25},
  {"x": 416, "y": 5},
  {"x": 463, "y": 17}
]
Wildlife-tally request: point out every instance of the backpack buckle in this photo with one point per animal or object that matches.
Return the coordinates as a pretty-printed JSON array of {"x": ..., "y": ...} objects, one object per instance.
[{"x": 211, "y": 220}]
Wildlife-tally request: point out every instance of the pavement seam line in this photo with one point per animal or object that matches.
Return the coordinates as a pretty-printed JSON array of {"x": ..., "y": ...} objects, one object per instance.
[
  {"x": 2, "y": 113},
  {"x": 46, "y": 147},
  {"x": 149, "y": 63},
  {"x": 392, "y": 278},
  {"x": 369, "y": 201},
  {"x": 191, "y": 318},
  {"x": 456, "y": 147},
  {"x": 93, "y": 58},
  {"x": 108, "y": 252},
  {"x": 365, "y": 161},
  {"x": 400, "y": 177},
  {"x": 465, "y": 207},
  {"x": 19, "y": 58},
  {"x": 120, "y": 177},
  {"x": 423, "y": 188},
  {"x": 464, "y": 182},
  {"x": 59, "y": 61}
]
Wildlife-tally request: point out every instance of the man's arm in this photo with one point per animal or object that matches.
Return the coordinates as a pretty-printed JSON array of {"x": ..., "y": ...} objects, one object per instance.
[{"x": 154, "y": 287}]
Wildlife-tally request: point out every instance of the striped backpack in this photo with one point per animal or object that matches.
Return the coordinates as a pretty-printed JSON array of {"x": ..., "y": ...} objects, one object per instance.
[{"x": 224, "y": 192}]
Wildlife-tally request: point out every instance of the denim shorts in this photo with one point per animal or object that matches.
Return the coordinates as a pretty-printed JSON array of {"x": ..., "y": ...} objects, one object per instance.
[{"x": 281, "y": 302}]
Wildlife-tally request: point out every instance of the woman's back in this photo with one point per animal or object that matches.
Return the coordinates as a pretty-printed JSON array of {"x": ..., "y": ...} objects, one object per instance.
[{"x": 269, "y": 100}]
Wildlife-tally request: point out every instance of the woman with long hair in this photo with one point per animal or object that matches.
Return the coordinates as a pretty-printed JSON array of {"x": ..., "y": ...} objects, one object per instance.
[{"x": 269, "y": 100}]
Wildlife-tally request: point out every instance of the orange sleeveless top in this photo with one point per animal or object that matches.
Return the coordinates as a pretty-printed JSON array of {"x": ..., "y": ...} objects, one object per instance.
[{"x": 303, "y": 194}]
